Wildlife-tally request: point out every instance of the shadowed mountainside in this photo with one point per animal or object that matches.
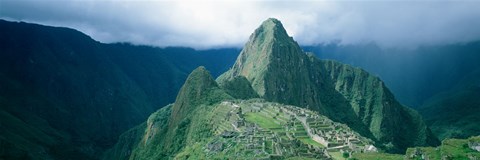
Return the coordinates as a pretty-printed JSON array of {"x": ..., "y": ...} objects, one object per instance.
[
  {"x": 64, "y": 95},
  {"x": 455, "y": 113},
  {"x": 413, "y": 74}
]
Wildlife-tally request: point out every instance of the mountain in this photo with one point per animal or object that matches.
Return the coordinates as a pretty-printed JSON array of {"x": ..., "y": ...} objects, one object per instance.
[
  {"x": 169, "y": 130},
  {"x": 198, "y": 126},
  {"x": 64, "y": 95},
  {"x": 413, "y": 74},
  {"x": 455, "y": 113},
  {"x": 276, "y": 102},
  {"x": 437, "y": 80},
  {"x": 257, "y": 129},
  {"x": 280, "y": 71}
]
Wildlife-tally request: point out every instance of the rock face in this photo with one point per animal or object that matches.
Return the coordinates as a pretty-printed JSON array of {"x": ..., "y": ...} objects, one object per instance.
[{"x": 280, "y": 71}]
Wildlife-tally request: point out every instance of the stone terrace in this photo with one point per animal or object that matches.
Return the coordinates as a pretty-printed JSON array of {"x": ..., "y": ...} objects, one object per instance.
[{"x": 267, "y": 130}]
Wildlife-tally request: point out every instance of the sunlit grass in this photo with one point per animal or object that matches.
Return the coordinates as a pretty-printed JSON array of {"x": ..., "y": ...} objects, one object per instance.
[
  {"x": 262, "y": 120},
  {"x": 336, "y": 155},
  {"x": 377, "y": 156},
  {"x": 311, "y": 142}
]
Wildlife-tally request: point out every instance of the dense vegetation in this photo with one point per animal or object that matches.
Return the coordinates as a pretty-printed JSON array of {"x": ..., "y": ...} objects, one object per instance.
[
  {"x": 205, "y": 122},
  {"x": 239, "y": 87},
  {"x": 169, "y": 130},
  {"x": 64, "y": 95},
  {"x": 455, "y": 113},
  {"x": 440, "y": 81}
]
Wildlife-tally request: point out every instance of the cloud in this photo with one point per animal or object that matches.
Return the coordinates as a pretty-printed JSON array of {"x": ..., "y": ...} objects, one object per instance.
[{"x": 207, "y": 24}]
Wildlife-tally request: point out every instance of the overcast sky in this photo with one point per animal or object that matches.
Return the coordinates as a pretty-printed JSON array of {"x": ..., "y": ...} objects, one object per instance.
[{"x": 207, "y": 24}]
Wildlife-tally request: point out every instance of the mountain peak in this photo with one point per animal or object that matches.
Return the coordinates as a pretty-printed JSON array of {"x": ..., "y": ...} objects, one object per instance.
[
  {"x": 272, "y": 23},
  {"x": 270, "y": 29},
  {"x": 197, "y": 86},
  {"x": 273, "y": 20},
  {"x": 268, "y": 50}
]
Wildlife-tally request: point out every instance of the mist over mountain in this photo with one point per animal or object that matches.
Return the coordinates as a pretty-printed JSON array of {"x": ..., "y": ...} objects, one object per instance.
[{"x": 213, "y": 24}]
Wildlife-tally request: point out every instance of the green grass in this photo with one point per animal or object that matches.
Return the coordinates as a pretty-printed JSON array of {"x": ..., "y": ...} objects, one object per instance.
[
  {"x": 454, "y": 148},
  {"x": 431, "y": 152},
  {"x": 377, "y": 156},
  {"x": 300, "y": 158},
  {"x": 457, "y": 148},
  {"x": 311, "y": 142},
  {"x": 277, "y": 129},
  {"x": 261, "y": 120},
  {"x": 337, "y": 155}
]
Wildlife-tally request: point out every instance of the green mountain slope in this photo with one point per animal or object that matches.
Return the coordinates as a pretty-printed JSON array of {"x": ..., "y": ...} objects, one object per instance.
[
  {"x": 267, "y": 130},
  {"x": 198, "y": 126},
  {"x": 377, "y": 108},
  {"x": 455, "y": 113},
  {"x": 431, "y": 68},
  {"x": 280, "y": 71},
  {"x": 239, "y": 87},
  {"x": 78, "y": 95},
  {"x": 170, "y": 129},
  {"x": 308, "y": 108}
]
